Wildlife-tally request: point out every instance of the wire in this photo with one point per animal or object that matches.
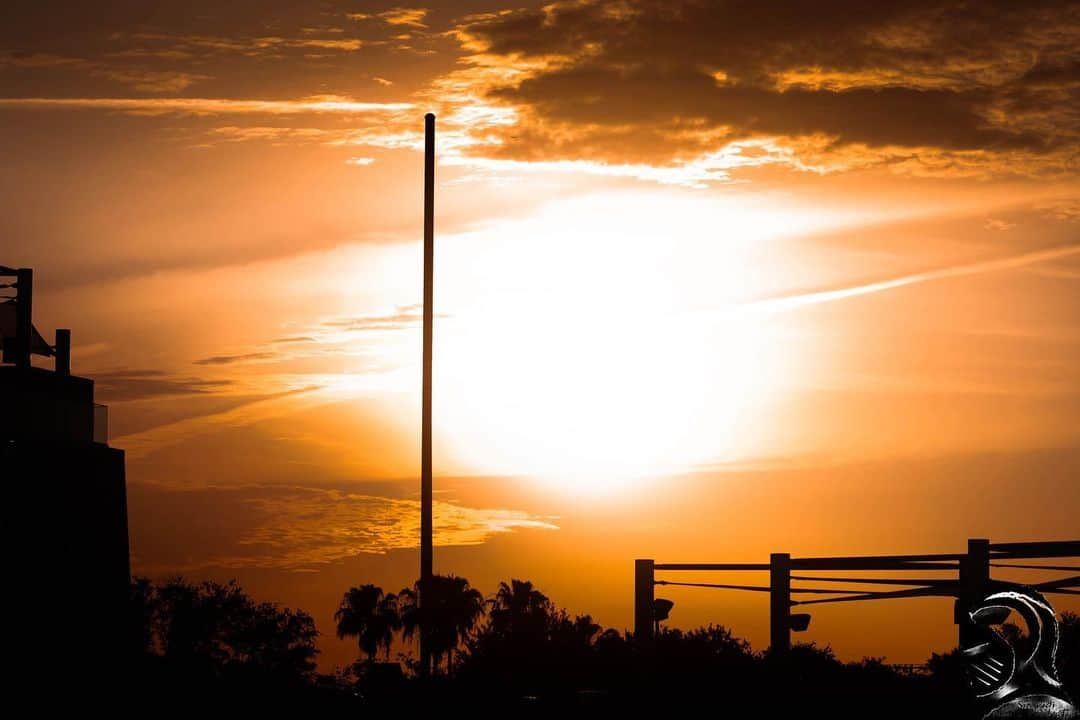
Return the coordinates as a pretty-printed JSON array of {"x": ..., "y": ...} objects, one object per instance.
[
  {"x": 914, "y": 592},
  {"x": 1069, "y": 582},
  {"x": 754, "y": 588},
  {"x": 877, "y": 581},
  {"x": 1066, "y": 568}
]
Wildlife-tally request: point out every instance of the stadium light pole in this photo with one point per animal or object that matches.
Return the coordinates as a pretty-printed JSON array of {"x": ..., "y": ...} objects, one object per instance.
[{"x": 426, "y": 520}]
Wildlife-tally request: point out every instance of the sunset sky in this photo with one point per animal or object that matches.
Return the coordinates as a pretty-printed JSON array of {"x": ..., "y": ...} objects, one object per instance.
[{"x": 713, "y": 280}]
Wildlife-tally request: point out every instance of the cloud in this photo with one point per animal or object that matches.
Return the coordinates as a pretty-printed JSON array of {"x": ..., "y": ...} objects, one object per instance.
[
  {"x": 314, "y": 527},
  {"x": 644, "y": 81},
  {"x": 138, "y": 78},
  {"x": 316, "y": 104},
  {"x": 267, "y": 133},
  {"x": 252, "y": 46},
  {"x": 233, "y": 359},
  {"x": 791, "y": 302},
  {"x": 406, "y": 316},
  {"x": 140, "y": 444},
  {"x": 998, "y": 225},
  {"x": 295, "y": 528},
  {"x": 132, "y": 384},
  {"x": 23, "y": 59},
  {"x": 412, "y": 17},
  {"x": 153, "y": 81}
]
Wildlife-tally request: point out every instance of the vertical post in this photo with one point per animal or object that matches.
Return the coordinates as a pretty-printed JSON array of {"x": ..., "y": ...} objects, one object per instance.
[
  {"x": 63, "y": 352},
  {"x": 644, "y": 599},
  {"x": 24, "y": 311},
  {"x": 779, "y": 603},
  {"x": 974, "y": 576},
  {"x": 426, "y": 519}
]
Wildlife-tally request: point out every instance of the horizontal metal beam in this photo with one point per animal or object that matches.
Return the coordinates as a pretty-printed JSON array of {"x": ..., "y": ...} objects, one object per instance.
[
  {"x": 1066, "y": 568},
  {"x": 871, "y": 563},
  {"x": 711, "y": 566},
  {"x": 1063, "y": 548},
  {"x": 752, "y": 588}
]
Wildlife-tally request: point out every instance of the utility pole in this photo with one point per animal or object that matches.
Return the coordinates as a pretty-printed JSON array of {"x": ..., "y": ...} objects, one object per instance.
[
  {"x": 974, "y": 577},
  {"x": 644, "y": 600},
  {"x": 24, "y": 303},
  {"x": 779, "y": 604},
  {"x": 426, "y": 521}
]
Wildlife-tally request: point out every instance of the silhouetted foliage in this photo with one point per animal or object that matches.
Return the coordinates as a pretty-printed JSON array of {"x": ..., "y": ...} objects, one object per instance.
[
  {"x": 528, "y": 645},
  {"x": 210, "y": 645},
  {"x": 141, "y": 616},
  {"x": 370, "y": 616},
  {"x": 450, "y": 610},
  {"x": 221, "y": 629},
  {"x": 1069, "y": 653},
  {"x": 192, "y": 642}
]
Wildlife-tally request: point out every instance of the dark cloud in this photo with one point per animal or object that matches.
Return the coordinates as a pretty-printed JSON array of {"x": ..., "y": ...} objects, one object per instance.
[
  {"x": 269, "y": 526},
  {"x": 641, "y": 79},
  {"x": 121, "y": 385},
  {"x": 232, "y": 359}
]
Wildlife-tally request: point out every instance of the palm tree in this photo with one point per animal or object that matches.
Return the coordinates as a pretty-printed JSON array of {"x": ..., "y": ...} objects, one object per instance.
[
  {"x": 518, "y": 609},
  {"x": 370, "y": 616},
  {"x": 388, "y": 621},
  {"x": 585, "y": 630},
  {"x": 451, "y": 608}
]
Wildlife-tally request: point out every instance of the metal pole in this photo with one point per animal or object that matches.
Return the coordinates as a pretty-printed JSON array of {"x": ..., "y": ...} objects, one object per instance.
[
  {"x": 974, "y": 575},
  {"x": 779, "y": 603},
  {"x": 24, "y": 311},
  {"x": 63, "y": 352},
  {"x": 644, "y": 599},
  {"x": 426, "y": 520}
]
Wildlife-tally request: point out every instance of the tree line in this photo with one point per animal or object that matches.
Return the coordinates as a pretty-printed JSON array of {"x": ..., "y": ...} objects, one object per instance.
[{"x": 206, "y": 642}]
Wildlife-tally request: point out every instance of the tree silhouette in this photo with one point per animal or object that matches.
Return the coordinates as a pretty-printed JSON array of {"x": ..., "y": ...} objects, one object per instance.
[
  {"x": 520, "y": 610},
  {"x": 370, "y": 616},
  {"x": 450, "y": 610},
  {"x": 218, "y": 629},
  {"x": 1069, "y": 653}
]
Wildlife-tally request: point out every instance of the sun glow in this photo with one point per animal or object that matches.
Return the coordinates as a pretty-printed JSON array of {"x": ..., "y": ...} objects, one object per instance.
[{"x": 596, "y": 344}]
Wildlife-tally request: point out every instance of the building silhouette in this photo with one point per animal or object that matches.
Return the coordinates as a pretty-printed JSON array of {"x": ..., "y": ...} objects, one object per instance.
[{"x": 65, "y": 501}]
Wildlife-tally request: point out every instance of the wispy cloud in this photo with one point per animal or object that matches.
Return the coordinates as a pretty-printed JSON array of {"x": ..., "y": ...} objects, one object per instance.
[
  {"x": 153, "y": 81},
  {"x": 318, "y": 104},
  {"x": 312, "y": 528},
  {"x": 135, "y": 384},
  {"x": 251, "y": 46},
  {"x": 405, "y": 316},
  {"x": 37, "y": 60},
  {"x": 411, "y": 17},
  {"x": 299, "y": 528},
  {"x": 234, "y": 359},
  {"x": 143, "y": 443},
  {"x": 791, "y": 302}
]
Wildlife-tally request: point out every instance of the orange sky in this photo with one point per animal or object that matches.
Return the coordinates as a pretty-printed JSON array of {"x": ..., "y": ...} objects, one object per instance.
[{"x": 711, "y": 282}]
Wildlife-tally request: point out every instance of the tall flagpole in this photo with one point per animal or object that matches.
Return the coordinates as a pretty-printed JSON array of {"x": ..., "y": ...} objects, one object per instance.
[{"x": 426, "y": 525}]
